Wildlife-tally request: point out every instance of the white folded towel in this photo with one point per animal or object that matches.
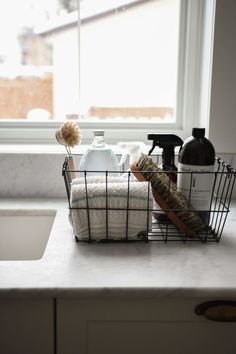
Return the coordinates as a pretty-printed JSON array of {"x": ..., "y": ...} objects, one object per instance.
[
  {"x": 116, "y": 196},
  {"x": 102, "y": 179}
]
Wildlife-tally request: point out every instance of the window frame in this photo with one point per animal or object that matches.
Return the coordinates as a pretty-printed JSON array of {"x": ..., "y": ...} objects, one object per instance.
[{"x": 195, "y": 59}]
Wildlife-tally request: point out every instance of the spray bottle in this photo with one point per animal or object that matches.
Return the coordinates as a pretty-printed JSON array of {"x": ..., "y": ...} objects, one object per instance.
[
  {"x": 167, "y": 142},
  {"x": 132, "y": 149}
]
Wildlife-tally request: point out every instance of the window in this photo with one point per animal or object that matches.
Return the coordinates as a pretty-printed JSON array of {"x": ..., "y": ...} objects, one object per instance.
[
  {"x": 129, "y": 56},
  {"x": 131, "y": 68}
]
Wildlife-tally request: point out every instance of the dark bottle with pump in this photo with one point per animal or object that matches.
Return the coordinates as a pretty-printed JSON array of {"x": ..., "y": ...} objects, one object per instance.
[{"x": 197, "y": 155}]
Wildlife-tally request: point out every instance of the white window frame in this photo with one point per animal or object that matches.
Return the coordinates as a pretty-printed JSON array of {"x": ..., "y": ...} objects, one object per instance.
[{"x": 196, "y": 35}]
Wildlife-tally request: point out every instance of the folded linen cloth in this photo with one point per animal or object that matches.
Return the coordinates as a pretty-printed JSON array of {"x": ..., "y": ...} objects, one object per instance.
[
  {"x": 102, "y": 179},
  {"x": 107, "y": 210}
]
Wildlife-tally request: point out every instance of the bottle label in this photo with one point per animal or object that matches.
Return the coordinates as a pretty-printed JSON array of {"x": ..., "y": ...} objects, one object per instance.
[{"x": 196, "y": 183}]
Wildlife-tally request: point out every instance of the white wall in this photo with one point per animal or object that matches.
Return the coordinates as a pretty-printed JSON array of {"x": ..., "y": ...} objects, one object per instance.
[{"x": 222, "y": 125}]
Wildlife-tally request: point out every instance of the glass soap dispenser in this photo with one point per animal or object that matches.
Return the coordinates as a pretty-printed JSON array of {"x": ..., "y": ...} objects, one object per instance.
[{"x": 99, "y": 156}]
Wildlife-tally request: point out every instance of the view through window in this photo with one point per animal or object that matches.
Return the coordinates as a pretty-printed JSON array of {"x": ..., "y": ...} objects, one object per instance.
[{"x": 121, "y": 65}]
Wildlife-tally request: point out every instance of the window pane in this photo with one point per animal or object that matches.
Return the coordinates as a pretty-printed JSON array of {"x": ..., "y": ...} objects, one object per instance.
[
  {"x": 30, "y": 76},
  {"x": 127, "y": 67},
  {"x": 129, "y": 56}
]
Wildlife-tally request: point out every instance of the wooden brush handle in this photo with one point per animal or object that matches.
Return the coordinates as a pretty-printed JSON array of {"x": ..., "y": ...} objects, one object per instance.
[
  {"x": 71, "y": 166},
  {"x": 160, "y": 201}
]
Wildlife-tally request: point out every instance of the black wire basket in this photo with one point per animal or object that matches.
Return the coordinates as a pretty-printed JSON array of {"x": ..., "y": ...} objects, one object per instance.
[{"x": 125, "y": 212}]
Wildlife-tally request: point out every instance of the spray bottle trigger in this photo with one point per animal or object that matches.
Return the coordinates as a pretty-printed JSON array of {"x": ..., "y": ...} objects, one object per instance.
[{"x": 123, "y": 159}]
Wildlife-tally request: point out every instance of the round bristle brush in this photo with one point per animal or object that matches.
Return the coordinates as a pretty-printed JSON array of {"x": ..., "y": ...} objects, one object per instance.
[{"x": 69, "y": 136}]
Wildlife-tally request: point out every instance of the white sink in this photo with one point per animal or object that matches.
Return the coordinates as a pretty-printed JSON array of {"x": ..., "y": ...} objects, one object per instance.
[{"x": 24, "y": 234}]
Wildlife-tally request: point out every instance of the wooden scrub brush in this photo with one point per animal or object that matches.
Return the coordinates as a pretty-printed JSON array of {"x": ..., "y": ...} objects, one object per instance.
[
  {"x": 69, "y": 136},
  {"x": 165, "y": 193}
]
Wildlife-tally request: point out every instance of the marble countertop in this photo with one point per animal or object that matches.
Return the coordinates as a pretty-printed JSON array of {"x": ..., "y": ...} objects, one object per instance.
[{"x": 68, "y": 268}]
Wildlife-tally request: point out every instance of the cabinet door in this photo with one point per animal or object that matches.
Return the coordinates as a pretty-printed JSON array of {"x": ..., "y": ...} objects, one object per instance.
[
  {"x": 26, "y": 326},
  {"x": 140, "y": 327},
  {"x": 146, "y": 337}
]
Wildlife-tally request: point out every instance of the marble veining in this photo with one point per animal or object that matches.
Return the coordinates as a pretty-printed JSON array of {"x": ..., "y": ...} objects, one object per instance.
[{"x": 35, "y": 174}]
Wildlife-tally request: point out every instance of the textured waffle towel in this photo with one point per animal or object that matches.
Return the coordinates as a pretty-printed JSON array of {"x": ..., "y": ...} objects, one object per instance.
[{"x": 100, "y": 208}]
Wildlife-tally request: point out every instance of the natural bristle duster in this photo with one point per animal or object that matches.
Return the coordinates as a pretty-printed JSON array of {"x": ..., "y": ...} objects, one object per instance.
[
  {"x": 70, "y": 134},
  {"x": 167, "y": 189}
]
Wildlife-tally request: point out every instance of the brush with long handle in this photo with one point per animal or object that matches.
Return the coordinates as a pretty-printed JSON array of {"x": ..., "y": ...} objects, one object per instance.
[
  {"x": 69, "y": 136},
  {"x": 165, "y": 193}
]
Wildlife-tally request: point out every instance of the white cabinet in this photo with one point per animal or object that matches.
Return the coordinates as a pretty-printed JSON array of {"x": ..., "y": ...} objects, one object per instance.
[
  {"x": 99, "y": 325},
  {"x": 147, "y": 326},
  {"x": 26, "y": 326}
]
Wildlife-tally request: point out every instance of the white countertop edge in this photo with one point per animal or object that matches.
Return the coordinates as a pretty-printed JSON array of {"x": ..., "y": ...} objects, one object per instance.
[{"x": 134, "y": 293}]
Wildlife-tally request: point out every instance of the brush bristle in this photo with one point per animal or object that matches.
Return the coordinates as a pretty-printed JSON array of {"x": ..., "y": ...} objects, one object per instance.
[
  {"x": 167, "y": 189},
  {"x": 70, "y": 134}
]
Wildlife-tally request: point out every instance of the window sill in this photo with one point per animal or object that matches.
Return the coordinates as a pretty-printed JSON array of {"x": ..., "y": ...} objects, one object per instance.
[
  {"x": 51, "y": 149},
  {"x": 41, "y": 133},
  {"x": 31, "y": 149}
]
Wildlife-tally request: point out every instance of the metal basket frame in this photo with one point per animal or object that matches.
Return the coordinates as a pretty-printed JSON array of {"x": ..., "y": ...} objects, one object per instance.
[{"x": 224, "y": 180}]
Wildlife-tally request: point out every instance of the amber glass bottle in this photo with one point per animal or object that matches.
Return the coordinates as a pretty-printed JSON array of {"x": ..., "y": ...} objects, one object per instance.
[{"x": 196, "y": 164}]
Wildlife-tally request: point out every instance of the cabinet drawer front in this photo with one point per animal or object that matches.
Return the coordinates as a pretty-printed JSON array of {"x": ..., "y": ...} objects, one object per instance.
[
  {"x": 152, "y": 326},
  {"x": 160, "y": 337}
]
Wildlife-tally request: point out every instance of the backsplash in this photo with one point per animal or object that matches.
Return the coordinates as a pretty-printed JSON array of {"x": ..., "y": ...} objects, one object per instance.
[
  {"x": 31, "y": 175},
  {"x": 36, "y": 175}
]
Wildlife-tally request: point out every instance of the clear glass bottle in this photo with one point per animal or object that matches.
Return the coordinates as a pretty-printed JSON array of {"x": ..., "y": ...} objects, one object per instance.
[{"x": 99, "y": 156}]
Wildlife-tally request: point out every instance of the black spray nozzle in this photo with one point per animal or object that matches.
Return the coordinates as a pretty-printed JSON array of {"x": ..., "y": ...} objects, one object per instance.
[{"x": 165, "y": 141}]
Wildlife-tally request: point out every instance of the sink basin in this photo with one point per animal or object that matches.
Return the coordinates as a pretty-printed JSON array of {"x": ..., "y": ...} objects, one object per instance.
[{"x": 24, "y": 234}]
